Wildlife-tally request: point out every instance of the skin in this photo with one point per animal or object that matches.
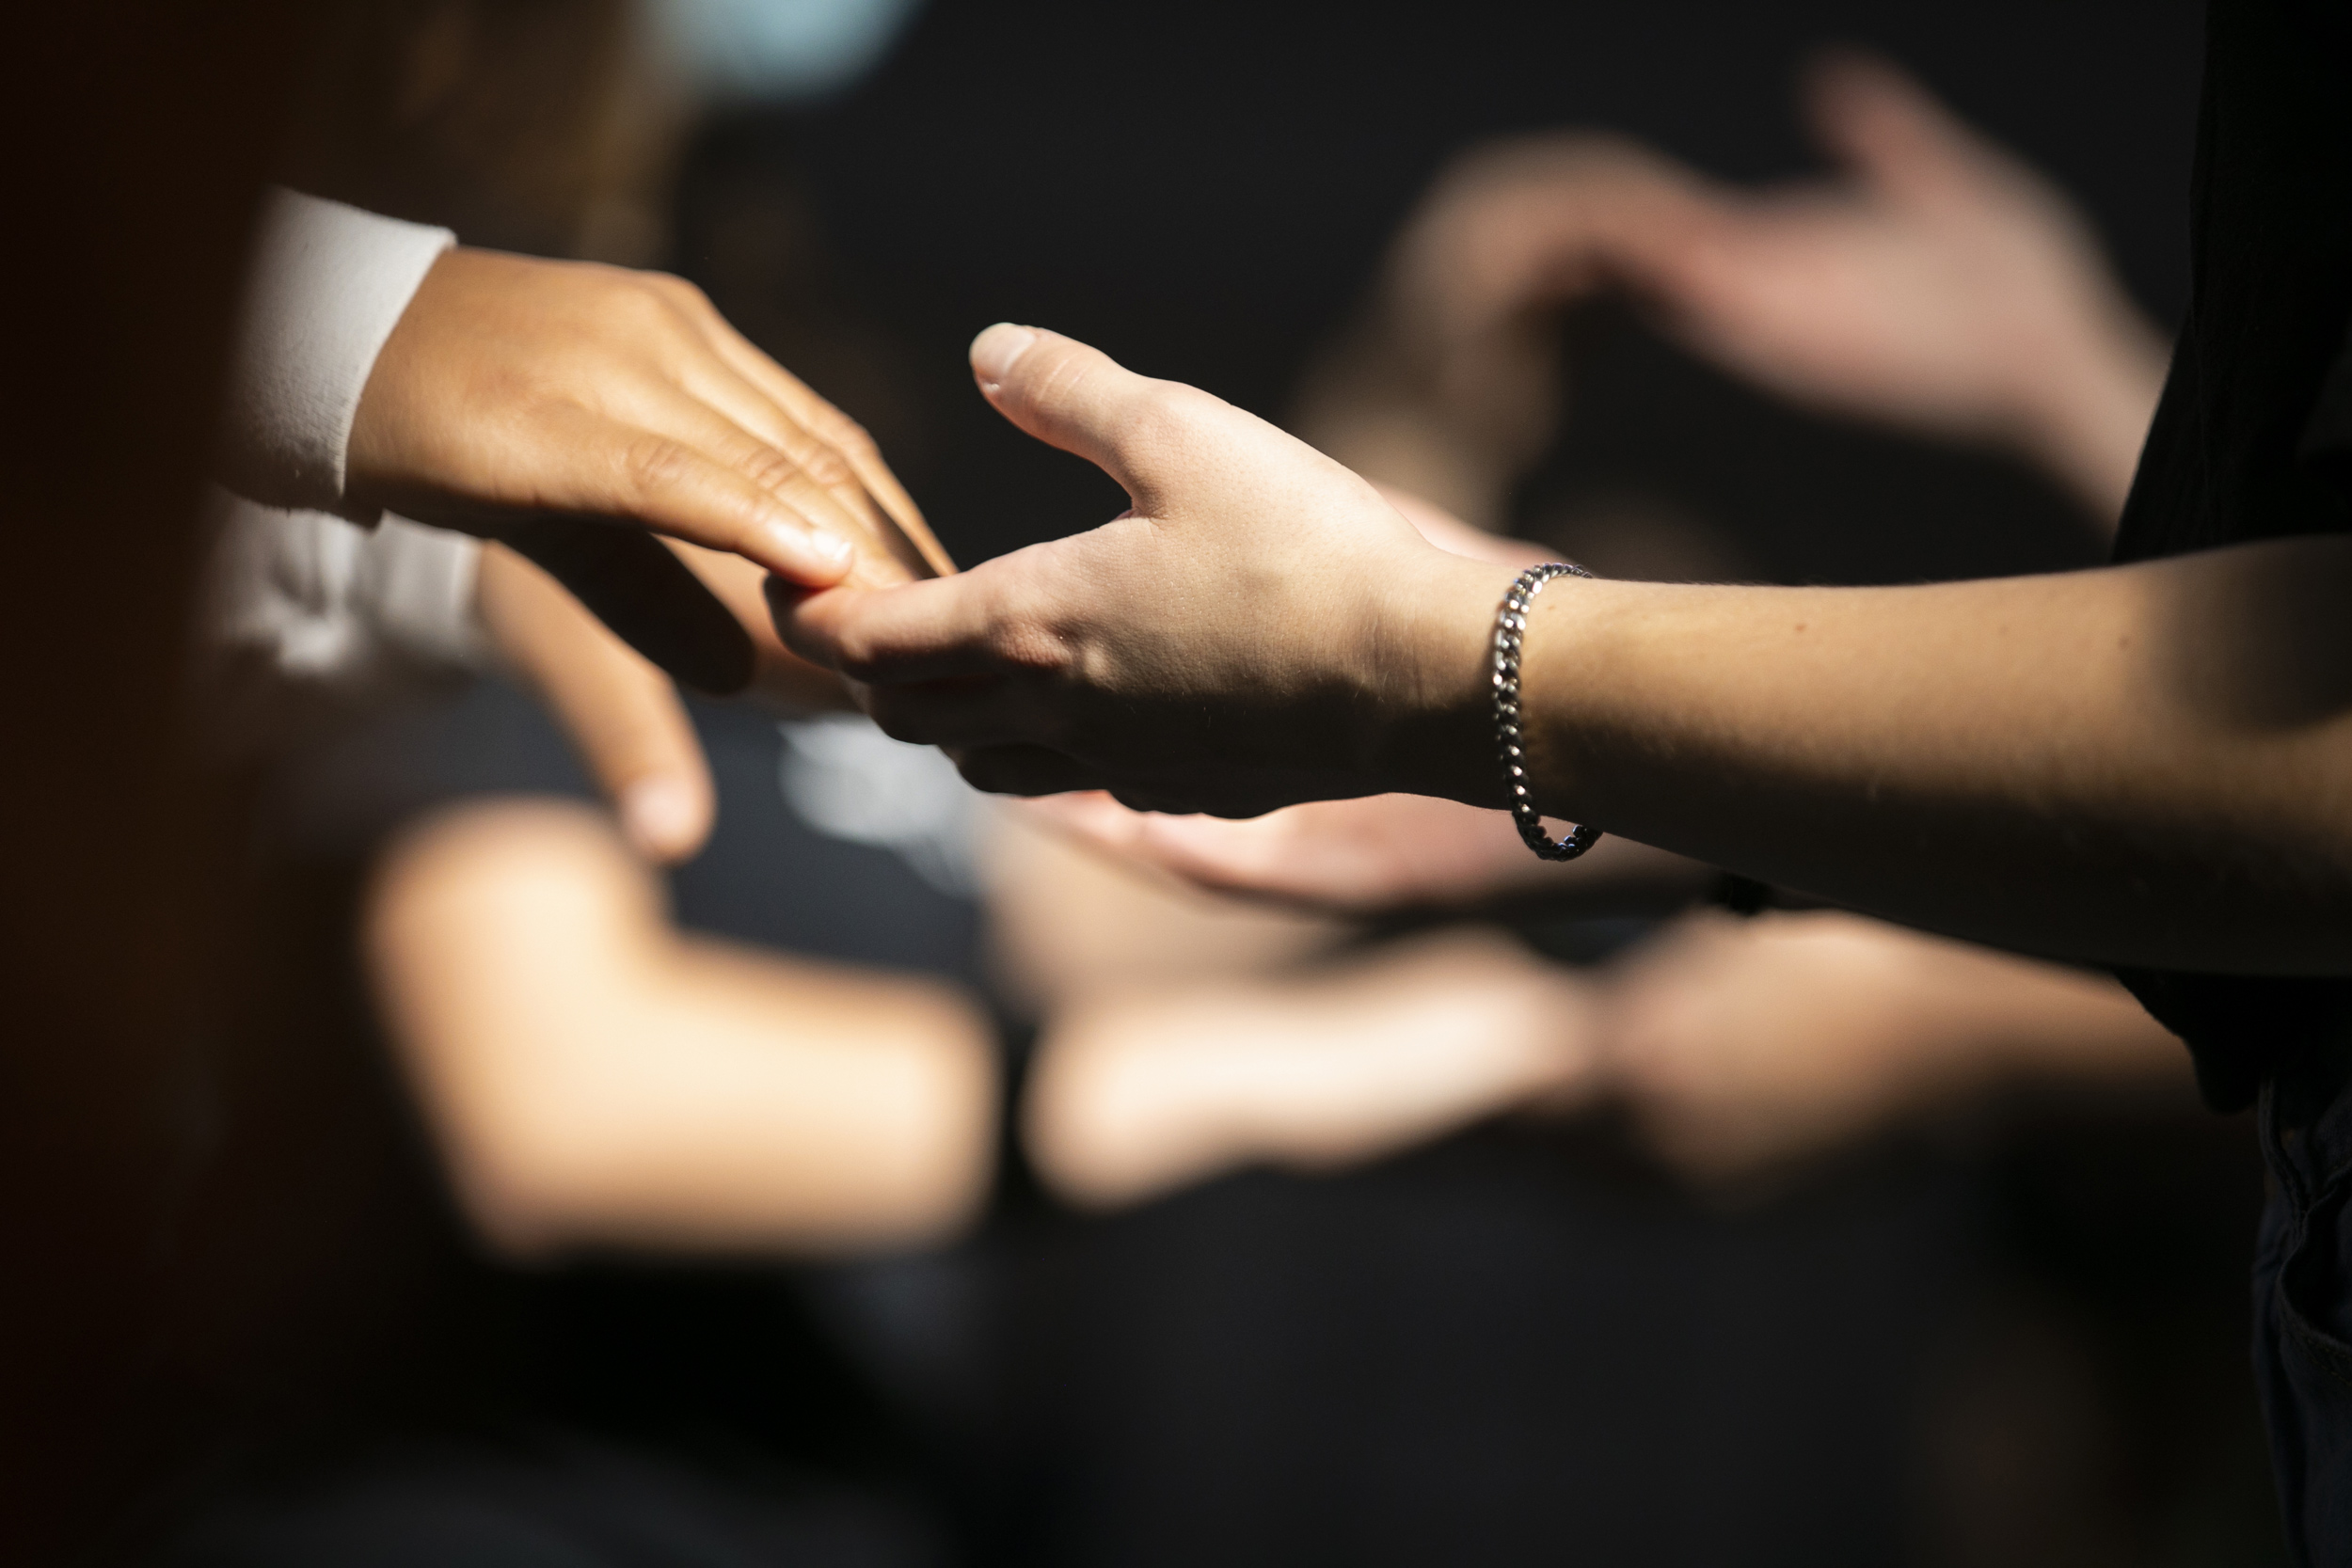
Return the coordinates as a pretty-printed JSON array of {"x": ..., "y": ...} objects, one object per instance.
[
  {"x": 1139, "y": 1091},
  {"x": 1933, "y": 282},
  {"x": 1745, "y": 1048},
  {"x": 623, "y": 715},
  {"x": 1936, "y": 283},
  {"x": 596, "y": 1080},
  {"x": 2149, "y": 763},
  {"x": 539, "y": 401}
]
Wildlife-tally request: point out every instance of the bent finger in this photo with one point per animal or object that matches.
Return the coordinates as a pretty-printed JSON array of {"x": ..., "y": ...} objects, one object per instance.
[
  {"x": 622, "y": 715},
  {"x": 802, "y": 473},
  {"x": 845, "y": 436},
  {"x": 646, "y": 595},
  {"x": 666, "y": 483}
]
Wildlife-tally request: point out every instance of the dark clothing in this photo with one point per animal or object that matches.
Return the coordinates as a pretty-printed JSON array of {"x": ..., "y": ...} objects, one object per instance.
[
  {"x": 2303, "y": 1301},
  {"x": 2253, "y": 439}
]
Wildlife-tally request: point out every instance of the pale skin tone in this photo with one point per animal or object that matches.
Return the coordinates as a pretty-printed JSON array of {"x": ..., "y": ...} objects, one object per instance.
[
  {"x": 1187, "y": 1034},
  {"x": 623, "y": 715},
  {"x": 1936, "y": 283},
  {"x": 1125, "y": 1105},
  {"x": 2143, "y": 765},
  {"x": 596, "y": 1080},
  {"x": 2149, "y": 763},
  {"x": 1742, "y": 1048},
  {"x": 1939, "y": 285}
]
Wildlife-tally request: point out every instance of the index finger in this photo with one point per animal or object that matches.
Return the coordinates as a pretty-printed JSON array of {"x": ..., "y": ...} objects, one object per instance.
[{"x": 824, "y": 423}]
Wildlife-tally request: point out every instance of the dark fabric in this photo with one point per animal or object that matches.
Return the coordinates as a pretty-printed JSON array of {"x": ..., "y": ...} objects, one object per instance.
[
  {"x": 559, "y": 1500},
  {"x": 2253, "y": 439},
  {"x": 2303, "y": 1301}
]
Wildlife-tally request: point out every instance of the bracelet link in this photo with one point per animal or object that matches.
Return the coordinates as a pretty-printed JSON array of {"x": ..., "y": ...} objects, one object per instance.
[{"x": 1510, "y": 628}]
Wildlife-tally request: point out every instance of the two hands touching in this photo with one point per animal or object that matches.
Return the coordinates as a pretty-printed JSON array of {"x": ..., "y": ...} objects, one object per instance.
[
  {"x": 607, "y": 431},
  {"x": 1263, "y": 628},
  {"x": 1934, "y": 282}
]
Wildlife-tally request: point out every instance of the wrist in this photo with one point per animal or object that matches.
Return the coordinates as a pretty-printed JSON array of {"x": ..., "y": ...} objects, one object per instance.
[{"x": 1432, "y": 730}]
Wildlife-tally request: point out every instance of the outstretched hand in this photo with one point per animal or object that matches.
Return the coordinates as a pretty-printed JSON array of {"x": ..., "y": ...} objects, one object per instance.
[
  {"x": 1936, "y": 282},
  {"x": 541, "y": 403},
  {"x": 1261, "y": 627}
]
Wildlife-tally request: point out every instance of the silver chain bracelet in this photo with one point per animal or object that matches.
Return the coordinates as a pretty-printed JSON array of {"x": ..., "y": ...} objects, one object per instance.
[{"x": 1510, "y": 627}]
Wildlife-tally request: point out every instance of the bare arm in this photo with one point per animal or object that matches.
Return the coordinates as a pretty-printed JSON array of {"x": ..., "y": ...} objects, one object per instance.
[
  {"x": 2147, "y": 764},
  {"x": 595, "y": 1080}
]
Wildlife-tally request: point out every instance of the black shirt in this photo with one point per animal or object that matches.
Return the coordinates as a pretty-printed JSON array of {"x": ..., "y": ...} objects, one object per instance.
[{"x": 2253, "y": 437}]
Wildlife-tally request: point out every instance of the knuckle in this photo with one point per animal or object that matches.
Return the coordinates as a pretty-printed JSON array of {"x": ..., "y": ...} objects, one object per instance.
[
  {"x": 674, "y": 289},
  {"x": 1027, "y": 644},
  {"x": 826, "y": 465},
  {"x": 652, "y": 465},
  {"x": 766, "y": 468},
  {"x": 836, "y": 429}
]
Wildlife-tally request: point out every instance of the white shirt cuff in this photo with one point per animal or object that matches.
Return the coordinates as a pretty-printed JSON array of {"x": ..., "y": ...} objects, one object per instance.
[
  {"x": 328, "y": 283},
  {"x": 321, "y": 604}
]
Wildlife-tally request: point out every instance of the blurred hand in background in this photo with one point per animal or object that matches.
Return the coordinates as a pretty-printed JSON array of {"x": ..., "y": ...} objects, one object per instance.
[{"x": 1935, "y": 282}]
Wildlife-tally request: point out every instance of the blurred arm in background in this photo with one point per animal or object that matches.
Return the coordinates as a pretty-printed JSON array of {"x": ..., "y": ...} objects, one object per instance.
[
  {"x": 1939, "y": 285},
  {"x": 595, "y": 1080}
]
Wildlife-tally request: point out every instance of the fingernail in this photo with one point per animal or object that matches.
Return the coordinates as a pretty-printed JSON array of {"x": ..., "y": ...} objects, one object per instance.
[
  {"x": 996, "y": 351},
  {"x": 659, "y": 816}
]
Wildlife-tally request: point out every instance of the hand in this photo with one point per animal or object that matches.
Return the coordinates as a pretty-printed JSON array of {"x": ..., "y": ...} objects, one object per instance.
[
  {"x": 1375, "y": 853},
  {"x": 1380, "y": 851},
  {"x": 624, "y": 715},
  {"x": 512, "y": 389},
  {"x": 1261, "y": 628},
  {"x": 1940, "y": 284}
]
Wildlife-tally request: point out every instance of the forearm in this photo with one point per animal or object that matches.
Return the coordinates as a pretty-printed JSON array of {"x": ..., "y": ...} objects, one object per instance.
[
  {"x": 1139, "y": 1092},
  {"x": 593, "y": 1080},
  {"x": 788, "y": 1105},
  {"x": 2148, "y": 765}
]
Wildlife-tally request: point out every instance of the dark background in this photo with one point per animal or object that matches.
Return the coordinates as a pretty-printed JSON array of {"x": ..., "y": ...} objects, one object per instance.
[{"x": 2013, "y": 1342}]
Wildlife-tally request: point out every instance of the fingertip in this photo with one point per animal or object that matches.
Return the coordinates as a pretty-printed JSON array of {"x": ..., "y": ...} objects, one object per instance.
[
  {"x": 664, "y": 818},
  {"x": 811, "y": 557},
  {"x": 997, "y": 349}
]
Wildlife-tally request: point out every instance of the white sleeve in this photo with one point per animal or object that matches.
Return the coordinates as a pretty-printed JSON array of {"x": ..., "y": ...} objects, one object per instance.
[
  {"x": 305, "y": 614},
  {"x": 328, "y": 282}
]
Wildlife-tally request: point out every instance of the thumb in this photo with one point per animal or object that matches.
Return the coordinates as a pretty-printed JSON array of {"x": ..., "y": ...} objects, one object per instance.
[
  {"x": 623, "y": 716},
  {"x": 1081, "y": 399}
]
